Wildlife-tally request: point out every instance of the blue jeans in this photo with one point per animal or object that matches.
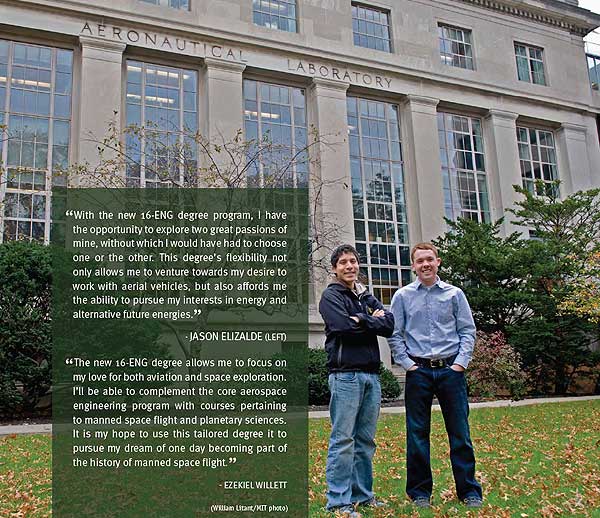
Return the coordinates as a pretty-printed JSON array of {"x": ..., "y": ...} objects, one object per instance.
[
  {"x": 354, "y": 408},
  {"x": 450, "y": 388}
]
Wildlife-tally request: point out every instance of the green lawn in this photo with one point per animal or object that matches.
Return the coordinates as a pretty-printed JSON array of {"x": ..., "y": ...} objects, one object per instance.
[
  {"x": 536, "y": 461},
  {"x": 540, "y": 461},
  {"x": 25, "y": 476}
]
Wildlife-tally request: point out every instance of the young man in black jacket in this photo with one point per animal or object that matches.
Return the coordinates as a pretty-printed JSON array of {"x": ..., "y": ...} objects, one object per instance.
[{"x": 353, "y": 320}]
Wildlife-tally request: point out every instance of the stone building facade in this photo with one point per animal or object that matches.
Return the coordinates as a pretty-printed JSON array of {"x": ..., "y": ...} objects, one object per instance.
[{"x": 433, "y": 107}]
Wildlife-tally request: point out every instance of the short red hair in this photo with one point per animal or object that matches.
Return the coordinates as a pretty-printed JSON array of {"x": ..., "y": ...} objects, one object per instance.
[{"x": 422, "y": 246}]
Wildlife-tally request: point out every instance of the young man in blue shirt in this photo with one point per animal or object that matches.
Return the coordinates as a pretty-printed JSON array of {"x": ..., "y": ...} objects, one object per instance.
[
  {"x": 433, "y": 340},
  {"x": 353, "y": 320}
]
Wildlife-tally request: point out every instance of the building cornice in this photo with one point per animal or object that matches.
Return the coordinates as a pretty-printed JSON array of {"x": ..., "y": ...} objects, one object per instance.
[{"x": 548, "y": 12}]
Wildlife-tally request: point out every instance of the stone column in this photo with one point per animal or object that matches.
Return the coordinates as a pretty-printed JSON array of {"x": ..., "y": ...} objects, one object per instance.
[
  {"x": 502, "y": 165},
  {"x": 222, "y": 98},
  {"x": 222, "y": 113},
  {"x": 101, "y": 95},
  {"x": 422, "y": 168},
  {"x": 330, "y": 189},
  {"x": 573, "y": 161},
  {"x": 593, "y": 147}
]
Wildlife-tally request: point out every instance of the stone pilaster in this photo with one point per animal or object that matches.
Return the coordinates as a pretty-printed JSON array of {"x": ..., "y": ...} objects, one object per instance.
[
  {"x": 573, "y": 161},
  {"x": 222, "y": 113},
  {"x": 423, "y": 168},
  {"x": 502, "y": 164},
  {"x": 330, "y": 189},
  {"x": 222, "y": 97},
  {"x": 593, "y": 147},
  {"x": 101, "y": 95}
]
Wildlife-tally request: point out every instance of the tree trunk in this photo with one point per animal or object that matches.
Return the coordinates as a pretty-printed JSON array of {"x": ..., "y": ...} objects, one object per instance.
[{"x": 561, "y": 382}]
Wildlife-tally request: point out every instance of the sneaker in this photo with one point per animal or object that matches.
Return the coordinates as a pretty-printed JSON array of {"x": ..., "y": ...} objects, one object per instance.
[
  {"x": 474, "y": 502},
  {"x": 422, "y": 502},
  {"x": 374, "y": 503},
  {"x": 345, "y": 511}
]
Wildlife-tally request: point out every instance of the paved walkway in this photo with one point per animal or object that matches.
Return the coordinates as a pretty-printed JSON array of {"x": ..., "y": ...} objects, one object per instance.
[
  {"x": 25, "y": 429},
  {"x": 47, "y": 428},
  {"x": 485, "y": 404}
]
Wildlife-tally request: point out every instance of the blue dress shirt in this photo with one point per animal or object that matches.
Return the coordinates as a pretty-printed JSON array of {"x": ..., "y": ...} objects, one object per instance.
[{"x": 431, "y": 322}]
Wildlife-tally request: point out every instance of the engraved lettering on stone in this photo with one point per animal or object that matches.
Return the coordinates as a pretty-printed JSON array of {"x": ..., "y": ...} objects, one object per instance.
[
  {"x": 162, "y": 41},
  {"x": 350, "y": 76},
  {"x": 133, "y": 36}
]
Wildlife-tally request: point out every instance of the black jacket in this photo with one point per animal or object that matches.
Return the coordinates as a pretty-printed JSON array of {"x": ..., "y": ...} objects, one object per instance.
[{"x": 352, "y": 346}]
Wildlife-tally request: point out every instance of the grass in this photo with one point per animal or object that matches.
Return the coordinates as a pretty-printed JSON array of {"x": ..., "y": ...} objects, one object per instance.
[
  {"x": 535, "y": 461},
  {"x": 25, "y": 476}
]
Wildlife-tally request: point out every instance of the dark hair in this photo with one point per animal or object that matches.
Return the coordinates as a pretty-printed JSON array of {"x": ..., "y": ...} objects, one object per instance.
[
  {"x": 422, "y": 246},
  {"x": 341, "y": 250}
]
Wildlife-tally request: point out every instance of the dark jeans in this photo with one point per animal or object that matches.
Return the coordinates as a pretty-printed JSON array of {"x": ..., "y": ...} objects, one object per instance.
[{"x": 450, "y": 388}]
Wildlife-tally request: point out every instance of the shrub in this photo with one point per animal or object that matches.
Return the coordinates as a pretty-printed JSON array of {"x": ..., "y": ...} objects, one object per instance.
[
  {"x": 318, "y": 387},
  {"x": 495, "y": 368},
  {"x": 25, "y": 332},
  {"x": 390, "y": 388}
]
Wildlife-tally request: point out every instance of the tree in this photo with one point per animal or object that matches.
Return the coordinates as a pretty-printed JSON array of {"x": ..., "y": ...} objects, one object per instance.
[
  {"x": 490, "y": 268},
  {"x": 566, "y": 238},
  {"x": 25, "y": 335},
  {"x": 583, "y": 298},
  {"x": 520, "y": 286}
]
